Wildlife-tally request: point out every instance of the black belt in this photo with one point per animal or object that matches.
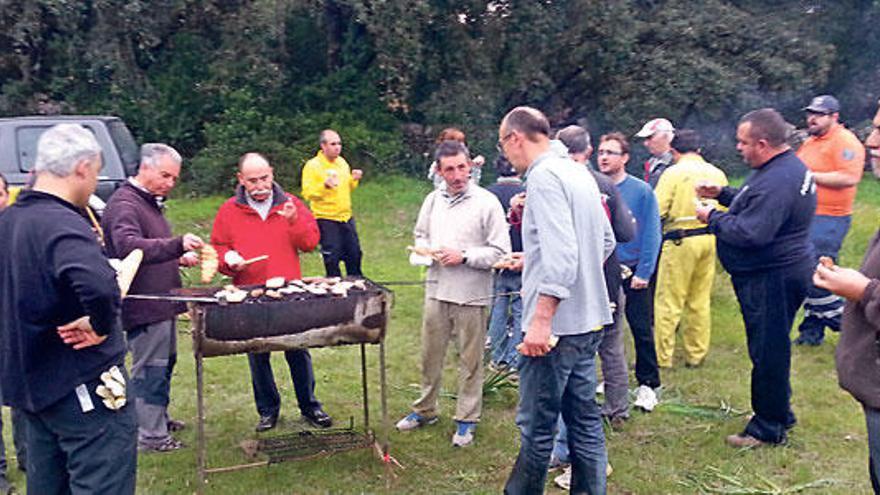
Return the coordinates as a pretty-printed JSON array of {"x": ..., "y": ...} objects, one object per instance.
[{"x": 678, "y": 234}]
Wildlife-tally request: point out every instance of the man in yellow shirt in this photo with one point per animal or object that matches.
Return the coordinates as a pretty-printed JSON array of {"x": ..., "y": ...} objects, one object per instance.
[
  {"x": 327, "y": 183},
  {"x": 836, "y": 158},
  {"x": 687, "y": 263}
]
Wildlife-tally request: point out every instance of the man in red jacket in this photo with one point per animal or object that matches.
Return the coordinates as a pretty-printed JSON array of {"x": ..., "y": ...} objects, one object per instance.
[{"x": 262, "y": 219}]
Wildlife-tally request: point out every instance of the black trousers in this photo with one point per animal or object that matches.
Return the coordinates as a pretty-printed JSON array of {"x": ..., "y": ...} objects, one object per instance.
[
  {"x": 769, "y": 301},
  {"x": 263, "y": 381},
  {"x": 72, "y": 452},
  {"x": 339, "y": 242},
  {"x": 639, "y": 308}
]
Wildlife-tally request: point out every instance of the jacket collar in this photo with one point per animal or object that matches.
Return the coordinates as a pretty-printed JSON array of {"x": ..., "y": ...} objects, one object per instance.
[
  {"x": 278, "y": 195},
  {"x": 157, "y": 202}
]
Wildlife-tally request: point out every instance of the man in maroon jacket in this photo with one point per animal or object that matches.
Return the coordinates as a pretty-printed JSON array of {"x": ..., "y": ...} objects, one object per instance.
[
  {"x": 262, "y": 219},
  {"x": 133, "y": 220}
]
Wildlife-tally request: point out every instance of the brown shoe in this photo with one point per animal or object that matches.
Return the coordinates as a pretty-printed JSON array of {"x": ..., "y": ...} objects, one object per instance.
[{"x": 742, "y": 441}]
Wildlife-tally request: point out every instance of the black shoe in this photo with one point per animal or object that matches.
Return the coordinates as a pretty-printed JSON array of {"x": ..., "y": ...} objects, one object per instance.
[
  {"x": 807, "y": 341},
  {"x": 319, "y": 418},
  {"x": 267, "y": 422}
]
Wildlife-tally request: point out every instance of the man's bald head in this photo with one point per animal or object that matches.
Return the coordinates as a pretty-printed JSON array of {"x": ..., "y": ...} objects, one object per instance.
[
  {"x": 523, "y": 135},
  {"x": 528, "y": 121},
  {"x": 255, "y": 175}
]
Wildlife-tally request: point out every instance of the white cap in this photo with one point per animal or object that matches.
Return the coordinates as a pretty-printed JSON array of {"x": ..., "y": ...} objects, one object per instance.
[{"x": 654, "y": 126}]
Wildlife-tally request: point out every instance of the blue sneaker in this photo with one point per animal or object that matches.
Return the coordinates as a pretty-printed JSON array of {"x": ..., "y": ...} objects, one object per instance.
[
  {"x": 464, "y": 434},
  {"x": 414, "y": 420}
]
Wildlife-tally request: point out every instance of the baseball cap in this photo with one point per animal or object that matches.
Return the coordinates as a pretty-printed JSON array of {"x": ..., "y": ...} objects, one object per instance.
[
  {"x": 823, "y": 104},
  {"x": 654, "y": 126}
]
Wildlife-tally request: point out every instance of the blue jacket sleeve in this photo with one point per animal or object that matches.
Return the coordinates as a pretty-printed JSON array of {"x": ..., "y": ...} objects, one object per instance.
[
  {"x": 556, "y": 235},
  {"x": 78, "y": 262},
  {"x": 753, "y": 225},
  {"x": 651, "y": 239}
]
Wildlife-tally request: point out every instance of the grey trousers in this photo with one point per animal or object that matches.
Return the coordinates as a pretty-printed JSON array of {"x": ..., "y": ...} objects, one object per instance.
[
  {"x": 614, "y": 369},
  {"x": 153, "y": 354},
  {"x": 441, "y": 321}
]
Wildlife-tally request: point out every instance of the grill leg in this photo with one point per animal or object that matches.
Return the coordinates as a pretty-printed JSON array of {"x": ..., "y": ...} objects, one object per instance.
[
  {"x": 365, "y": 388},
  {"x": 200, "y": 413},
  {"x": 383, "y": 397}
]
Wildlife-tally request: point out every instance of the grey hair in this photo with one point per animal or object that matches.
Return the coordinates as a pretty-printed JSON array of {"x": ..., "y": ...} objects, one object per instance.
[
  {"x": 62, "y": 146},
  {"x": 150, "y": 153},
  {"x": 575, "y": 138}
]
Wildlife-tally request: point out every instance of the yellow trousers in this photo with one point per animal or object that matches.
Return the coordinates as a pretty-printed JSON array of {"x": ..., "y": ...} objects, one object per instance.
[{"x": 684, "y": 288}]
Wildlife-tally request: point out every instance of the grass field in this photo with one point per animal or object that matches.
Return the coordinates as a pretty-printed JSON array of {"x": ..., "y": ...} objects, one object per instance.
[{"x": 678, "y": 448}]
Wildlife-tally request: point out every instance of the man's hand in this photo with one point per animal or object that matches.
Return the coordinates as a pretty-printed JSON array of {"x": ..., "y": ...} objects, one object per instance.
[
  {"x": 518, "y": 201},
  {"x": 703, "y": 212},
  {"x": 233, "y": 260},
  {"x": 79, "y": 334},
  {"x": 479, "y": 161},
  {"x": 332, "y": 179},
  {"x": 288, "y": 211},
  {"x": 189, "y": 258},
  {"x": 536, "y": 341},
  {"x": 638, "y": 283},
  {"x": 518, "y": 261},
  {"x": 844, "y": 282},
  {"x": 356, "y": 174},
  {"x": 191, "y": 242},
  {"x": 449, "y": 256},
  {"x": 705, "y": 189}
]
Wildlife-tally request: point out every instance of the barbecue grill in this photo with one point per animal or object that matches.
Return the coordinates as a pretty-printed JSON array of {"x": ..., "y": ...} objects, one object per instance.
[{"x": 293, "y": 321}]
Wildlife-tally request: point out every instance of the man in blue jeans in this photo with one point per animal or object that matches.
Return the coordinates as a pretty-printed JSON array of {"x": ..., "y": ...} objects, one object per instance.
[
  {"x": 505, "y": 332},
  {"x": 566, "y": 239}
]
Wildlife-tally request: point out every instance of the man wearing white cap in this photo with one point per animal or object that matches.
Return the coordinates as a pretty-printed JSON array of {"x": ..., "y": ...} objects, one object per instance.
[
  {"x": 657, "y": 134},
  {"x": 836, "y": 159}
]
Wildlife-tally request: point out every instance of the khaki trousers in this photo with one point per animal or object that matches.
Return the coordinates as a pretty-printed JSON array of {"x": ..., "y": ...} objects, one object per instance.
[
  {"x": 440, "y": 322},
  {"x": 684, "y": 289}
]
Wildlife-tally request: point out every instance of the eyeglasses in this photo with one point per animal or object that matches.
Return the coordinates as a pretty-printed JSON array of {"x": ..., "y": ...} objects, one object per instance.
[
  {"x": 609, "y": 152},
  {"x": 500, "y": 144}
]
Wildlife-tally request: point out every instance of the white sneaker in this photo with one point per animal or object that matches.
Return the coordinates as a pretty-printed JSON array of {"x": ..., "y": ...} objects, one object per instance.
[
  {"x": 600, "y": 388},
  {"x": 646, "y": 398},
  {"x": 564, "y": 480},
  {"x": 464, "y": 434}
]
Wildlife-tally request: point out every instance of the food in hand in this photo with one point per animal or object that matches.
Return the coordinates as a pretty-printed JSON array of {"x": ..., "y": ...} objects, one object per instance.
[
  {"x": 508, "y": 261},
  {"x": 826, "y": 261},
  {"x": 423, "y": 251},
  {"x": 210, "y": 263}
]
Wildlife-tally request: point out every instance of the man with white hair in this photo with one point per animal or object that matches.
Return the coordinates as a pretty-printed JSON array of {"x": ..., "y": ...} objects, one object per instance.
[
  {"x": 657, "y": 135},
  {"x": 134, "y": 219},
  {"x": 60, "y": 331}
]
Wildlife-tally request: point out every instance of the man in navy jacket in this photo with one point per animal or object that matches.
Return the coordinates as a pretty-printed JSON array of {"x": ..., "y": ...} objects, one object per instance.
[
  {"x": 763, "y": 242},
  {"x": 60, "y": 328}
]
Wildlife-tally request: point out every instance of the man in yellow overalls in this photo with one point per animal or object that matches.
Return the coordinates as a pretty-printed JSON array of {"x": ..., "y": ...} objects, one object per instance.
[{"x": 687, "y": 262}]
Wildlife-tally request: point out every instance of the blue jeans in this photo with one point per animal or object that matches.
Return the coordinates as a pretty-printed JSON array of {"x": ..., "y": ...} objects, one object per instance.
[
  {"x": 563, "y": 381},
  {"x": 77, "y": 453},
  {"x": 821, "y": 307},
  {"x": 505, "y": 331}
]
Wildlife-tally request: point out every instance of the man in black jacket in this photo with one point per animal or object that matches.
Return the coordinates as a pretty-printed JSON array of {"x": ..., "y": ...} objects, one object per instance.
[
  {"x": 763, "y": 242},
  {"x": 133, "y": 220},
  {"x": 60, "y": 329}
]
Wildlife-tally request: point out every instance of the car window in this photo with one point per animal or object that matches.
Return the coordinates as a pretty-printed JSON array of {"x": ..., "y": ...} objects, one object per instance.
[
  {"x": 126, "y": 145},
  {"x": 26, "y": 144}
]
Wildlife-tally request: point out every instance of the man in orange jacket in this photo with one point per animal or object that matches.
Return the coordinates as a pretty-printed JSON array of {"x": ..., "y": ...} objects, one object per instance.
[
  {"x": 262, "y": 219},
  {"x": 836, "y": 159}
]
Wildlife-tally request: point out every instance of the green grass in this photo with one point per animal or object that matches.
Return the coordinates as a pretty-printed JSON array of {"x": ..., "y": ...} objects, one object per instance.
[{"x": 678, "y": 448}]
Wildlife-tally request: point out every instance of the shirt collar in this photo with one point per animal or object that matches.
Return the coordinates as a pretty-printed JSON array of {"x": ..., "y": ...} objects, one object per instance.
[{"x": 160, "y": 200}]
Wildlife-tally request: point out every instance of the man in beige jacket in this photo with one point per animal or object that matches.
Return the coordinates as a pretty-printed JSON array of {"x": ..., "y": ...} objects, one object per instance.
[{"x": 464, "y": 229}]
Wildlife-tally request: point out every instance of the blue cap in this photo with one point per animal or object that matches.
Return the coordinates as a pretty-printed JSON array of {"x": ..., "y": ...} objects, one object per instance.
[{"x": 824, "y": 104}]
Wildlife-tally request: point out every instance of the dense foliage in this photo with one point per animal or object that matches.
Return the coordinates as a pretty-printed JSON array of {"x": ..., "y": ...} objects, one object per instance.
[{"x": 217, "y": 77}]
